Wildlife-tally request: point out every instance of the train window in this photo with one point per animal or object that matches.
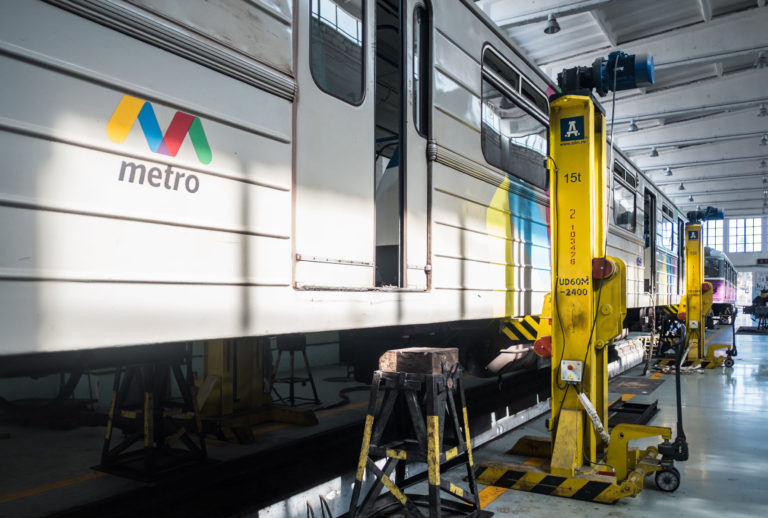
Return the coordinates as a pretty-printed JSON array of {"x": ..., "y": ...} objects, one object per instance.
[
  {"x": 512, "y": 139},
  {"x": 421, "y": 69},
  {"x": 624, "y": 174},
  {"x": 667, "y": 230},
  {"x": 336, "y": 48},
  {"x": 624, "y": 206},
  {"x": 494, "y": 65},
  {"x": 530, "y": 92}
]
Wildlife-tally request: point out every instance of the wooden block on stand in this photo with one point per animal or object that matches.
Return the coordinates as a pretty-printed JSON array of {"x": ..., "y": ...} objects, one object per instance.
[{"x": 422, "y": 360}]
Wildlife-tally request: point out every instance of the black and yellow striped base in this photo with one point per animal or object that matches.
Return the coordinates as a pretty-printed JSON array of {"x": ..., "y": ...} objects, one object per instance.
[
  {"x": 595, "y": 488},
  {"x": 524, "y": 329},
  {"x": 672, "y": 309}
]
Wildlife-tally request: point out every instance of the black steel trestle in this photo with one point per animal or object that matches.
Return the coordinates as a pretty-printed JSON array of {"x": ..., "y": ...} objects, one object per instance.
[
  {"x": 145, "y": 409},
  {"x": 415, "y": 439}
]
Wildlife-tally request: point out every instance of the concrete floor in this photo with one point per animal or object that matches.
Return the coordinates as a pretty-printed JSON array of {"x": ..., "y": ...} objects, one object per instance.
[
  {"x": 725, "y": 413},
  {"x": 726, "y": 419}
]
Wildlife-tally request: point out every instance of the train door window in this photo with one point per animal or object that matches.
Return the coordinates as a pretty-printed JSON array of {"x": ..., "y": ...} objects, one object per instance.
[
  {"x": 336, "y": 48},
  {"x": 513, "y": 132},
  {"x": 649, "y": 231},
  {"x": 667, "y": 234},
  {"x": 624, "y": 206},
  {"x": 421, "y": 69},
  {"x": 390, "y": 144}
]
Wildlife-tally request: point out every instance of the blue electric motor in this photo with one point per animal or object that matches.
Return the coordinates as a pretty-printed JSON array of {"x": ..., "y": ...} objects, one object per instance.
[{"x": 630, "y": 70}]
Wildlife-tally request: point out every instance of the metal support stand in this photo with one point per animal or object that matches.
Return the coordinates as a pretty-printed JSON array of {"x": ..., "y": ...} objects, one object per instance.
[
  {"x": 418, "y": 439},
  {"x": 293, "y": 344},
  {"x": 142, "y": 406}
]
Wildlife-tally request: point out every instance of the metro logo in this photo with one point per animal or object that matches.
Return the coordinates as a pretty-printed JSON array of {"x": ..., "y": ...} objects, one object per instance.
[{"x": 132, "y": 108}]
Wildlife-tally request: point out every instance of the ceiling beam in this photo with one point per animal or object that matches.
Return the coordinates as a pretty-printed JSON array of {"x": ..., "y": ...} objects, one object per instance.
[
  {"x": 508, "y": 14},
  {"x": 675, "y": 193},
  {"x": 724, "y": 34},
  {"x": 709, "y": 171},
  {"x": 607, "y": 32},
  {"x": 721, "y": 152},
  {"x": 734, "y": 91},
  {"x": 727, "y": 126},
  {"x": 713, "y": 180}
]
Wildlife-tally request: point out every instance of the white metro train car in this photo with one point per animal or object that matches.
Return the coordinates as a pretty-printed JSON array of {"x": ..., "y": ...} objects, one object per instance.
[{"x": 181, "y": 171}]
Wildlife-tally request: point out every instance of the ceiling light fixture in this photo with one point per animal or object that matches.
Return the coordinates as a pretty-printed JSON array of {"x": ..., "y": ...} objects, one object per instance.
[
  {"x": 763, "y": 164},
  {"x": 552, "y": 25},
  {"x": 632, "y": 126},
  {"x": 764, "y": 140},
  {"x": 654, "y": 153},
  {"x": 763, "y": 111},
  {"x": 667, "y": 172},
  {"x": 682, "y": 187},
  {"x": 690, "y": 198}
]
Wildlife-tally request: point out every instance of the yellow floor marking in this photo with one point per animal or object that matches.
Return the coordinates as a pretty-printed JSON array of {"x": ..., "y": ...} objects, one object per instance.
[
  {"x": 10, "y": 497},
  {"x": 627, "y": 397},
  {"x": 333, "y": 411},
  {"x": 535, "y": 461},
  {"x": 656, "y": 375},
  {"x": 489, "y": 494}
]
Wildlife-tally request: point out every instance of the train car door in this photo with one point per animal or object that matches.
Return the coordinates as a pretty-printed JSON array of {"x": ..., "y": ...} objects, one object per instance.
[
  {"x": 417, "y": 131},
  {"x": 401, "y": 131},
  {"x": 334, "y": 145},
  {"x": 362, "y": 124},
  {"x": 649, "y": 233}
]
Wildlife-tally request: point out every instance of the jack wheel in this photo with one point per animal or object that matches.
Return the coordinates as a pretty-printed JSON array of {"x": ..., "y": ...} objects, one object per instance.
[
  {"x": 728, "y": 362},
  {"x": 668, "y": 479}
]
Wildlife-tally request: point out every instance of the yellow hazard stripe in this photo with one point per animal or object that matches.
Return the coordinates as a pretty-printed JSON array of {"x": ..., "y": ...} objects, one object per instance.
[
  {"x": 393, "y": 489},
  {"x": 489, "y": 494},
  {"x": 509, "y": 333},
  {"x": 364, "y": 448},
  {"x": 522, "y": 330},
  {"x": 395, "y": 454},
  {"x": 467, "y": 437},
  {"x": 451, "y": 453},
  {"x": 433, "y": 449},
  {"x": 456, "y": 490},
  {"x": 544, "y": 483}
]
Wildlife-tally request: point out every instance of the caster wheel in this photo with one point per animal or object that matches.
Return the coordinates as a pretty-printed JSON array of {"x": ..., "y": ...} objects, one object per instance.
[
  {"x": 668, "y": 479},
  {"x": 728, "y": 362}
]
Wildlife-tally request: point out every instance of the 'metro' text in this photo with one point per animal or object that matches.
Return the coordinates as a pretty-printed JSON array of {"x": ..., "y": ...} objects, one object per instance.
[{"x": 156, "y": 177}]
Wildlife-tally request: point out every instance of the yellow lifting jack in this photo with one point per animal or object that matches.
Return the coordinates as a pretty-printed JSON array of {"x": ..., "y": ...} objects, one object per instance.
[
  {"x": 697, "y": 303},
  {"x": 588, "y": 305}
]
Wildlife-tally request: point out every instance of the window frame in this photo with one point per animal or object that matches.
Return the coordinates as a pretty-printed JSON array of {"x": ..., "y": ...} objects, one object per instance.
[
  {"x": 422, "y": 95},
  {"x": 514, "y": 95},
  {"x": 618, "y": 180},
  {"x": 363, "y": 64},
  {"x": 706, "y": 231},
  {"x": 757, "y": 238}
]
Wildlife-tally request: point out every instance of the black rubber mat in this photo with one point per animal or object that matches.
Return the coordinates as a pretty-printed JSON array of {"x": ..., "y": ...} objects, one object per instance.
[{"x": 628, "y": 385}]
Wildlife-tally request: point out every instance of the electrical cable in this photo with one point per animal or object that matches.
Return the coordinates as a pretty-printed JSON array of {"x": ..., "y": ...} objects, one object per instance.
[
  {"x": 553, "y": 203},
  {"x": 610, "y": 203}
]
